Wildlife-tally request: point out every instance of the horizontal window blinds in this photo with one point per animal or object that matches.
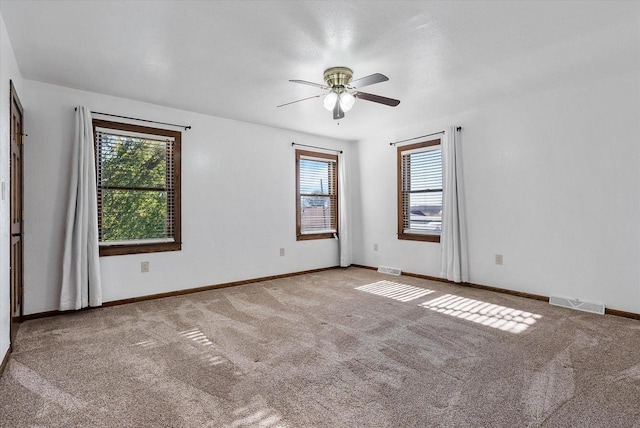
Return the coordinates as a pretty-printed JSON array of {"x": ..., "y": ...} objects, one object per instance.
[
  {"x": 422, "y": 190},
  {"x": 135, "y": 174},
  {"x": 318, "y": 195}
]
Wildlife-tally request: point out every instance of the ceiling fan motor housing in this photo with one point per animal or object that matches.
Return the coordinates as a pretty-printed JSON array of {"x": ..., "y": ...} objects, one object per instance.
[{"x": 338, "y": 77}]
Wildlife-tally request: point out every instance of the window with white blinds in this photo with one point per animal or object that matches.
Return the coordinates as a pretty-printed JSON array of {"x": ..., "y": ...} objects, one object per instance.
[
  {"x": 420, "y": 191},
  {"x": 138, "y": 186},
  {"x": 317, "y": 195}
]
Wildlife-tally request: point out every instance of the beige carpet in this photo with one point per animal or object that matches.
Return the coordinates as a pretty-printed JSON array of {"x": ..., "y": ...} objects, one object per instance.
[{"x": 341, "y": 348}]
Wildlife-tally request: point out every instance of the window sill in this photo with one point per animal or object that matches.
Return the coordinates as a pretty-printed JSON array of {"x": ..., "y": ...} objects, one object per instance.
[
  {"x": 310, "y": 236},
  {"x": 419, "y": 237},
  {"x": 119, "y": 250}
]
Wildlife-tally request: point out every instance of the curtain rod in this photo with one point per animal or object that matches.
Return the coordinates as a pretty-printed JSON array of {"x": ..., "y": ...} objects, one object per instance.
[
  {"x": 316, "y": 147},
  {"x": 186, "y": 127},
  {"x": 459, "y": 128}
]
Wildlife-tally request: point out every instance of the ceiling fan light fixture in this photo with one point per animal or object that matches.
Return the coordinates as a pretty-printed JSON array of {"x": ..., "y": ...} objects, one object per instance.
[
  {"x": 330, "y": 100},
  {"x": 342, "y": 91},
  {"x": 347, "y": 101}
]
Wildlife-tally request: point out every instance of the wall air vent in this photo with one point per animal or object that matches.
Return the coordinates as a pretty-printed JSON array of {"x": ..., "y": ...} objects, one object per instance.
[
  {"x": 390, "y": 270},
  {"x": 596, "y": 308}
]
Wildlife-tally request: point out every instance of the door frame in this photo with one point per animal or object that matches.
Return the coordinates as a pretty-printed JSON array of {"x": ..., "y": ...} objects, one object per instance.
[{"x": 14, "y": 103}]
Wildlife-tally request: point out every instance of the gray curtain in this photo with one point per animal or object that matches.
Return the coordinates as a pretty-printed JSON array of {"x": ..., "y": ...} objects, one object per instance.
[
  {"x": 81, "y": 285},
  {"x": 343, "y": 212},
  {"x": 453, "y": 240}
]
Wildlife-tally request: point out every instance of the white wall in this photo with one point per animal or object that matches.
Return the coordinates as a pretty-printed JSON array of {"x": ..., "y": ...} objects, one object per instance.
[
  {"x": 8, "y": 71},
  {"x": 552, "y": 183},
  {"x": 238, "y": 201}
]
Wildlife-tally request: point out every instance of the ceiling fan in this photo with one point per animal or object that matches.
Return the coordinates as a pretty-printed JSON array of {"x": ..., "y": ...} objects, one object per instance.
[{"x": 343, "y": 91}]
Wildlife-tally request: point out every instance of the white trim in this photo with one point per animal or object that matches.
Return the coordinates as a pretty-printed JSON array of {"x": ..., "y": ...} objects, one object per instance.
[
  {"x": 122, "y": 133},
  {"x": 138, "y": 242},
  {"x": 319, "y": 159},
  {"x": 316, "y": 232},
  {"x": 421, "y": 149},
  {"x": 420, "y": 232}
]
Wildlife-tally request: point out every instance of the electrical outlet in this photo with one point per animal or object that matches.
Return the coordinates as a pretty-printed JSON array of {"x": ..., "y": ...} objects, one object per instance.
[
  {"x": 498, "y": 259},
  {"x": 375, "y": 247},
  {"x": 144, "y": 267},
  {"x": 281, "y": 252}
]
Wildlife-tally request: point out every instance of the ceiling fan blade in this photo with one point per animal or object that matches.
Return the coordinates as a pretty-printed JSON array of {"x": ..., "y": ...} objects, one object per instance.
[
  {"x": 377, "y": 99},
  {"x": 304, "y": 82},
  {"x": 337, "y": 110},
  {"x": 304, "y": 99},
  {"x": 368, "y": 80}
]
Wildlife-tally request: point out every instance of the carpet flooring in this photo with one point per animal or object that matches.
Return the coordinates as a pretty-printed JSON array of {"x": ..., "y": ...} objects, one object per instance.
[{"x": 340, "y": 348}]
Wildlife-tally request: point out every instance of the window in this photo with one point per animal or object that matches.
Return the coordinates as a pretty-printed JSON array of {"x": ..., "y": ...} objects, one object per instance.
[
  {"x": 420, "y": 191},
  {"x": 316, "y": 195},
  {"x": 138, "y": 183}
]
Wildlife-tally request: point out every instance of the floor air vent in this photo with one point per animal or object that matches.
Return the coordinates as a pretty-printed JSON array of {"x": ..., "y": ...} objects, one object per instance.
[
  {"x": 389, "y": 270},
  {"x": 596, "y": 308}
]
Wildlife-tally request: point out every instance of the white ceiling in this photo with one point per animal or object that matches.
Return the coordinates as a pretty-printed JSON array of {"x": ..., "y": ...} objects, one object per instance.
[{"x": 233, "y": 59}]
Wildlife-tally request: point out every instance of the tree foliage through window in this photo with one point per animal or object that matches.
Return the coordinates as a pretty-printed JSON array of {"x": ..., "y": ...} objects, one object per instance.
[{"x": 139, "y": 212}]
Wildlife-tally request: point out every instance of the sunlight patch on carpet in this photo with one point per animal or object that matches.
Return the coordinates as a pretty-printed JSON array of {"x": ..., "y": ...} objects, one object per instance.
[
  {"x": 197, "y": 336},
  {"x": 213, "y": 360},
  {"x": 256, "y": 415},
  {"x": 146, "y": 343},
  {"x": 41, "y": 387},
  {"x": 488, "y": 314},
  {"x": 395, "y": 290}
]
